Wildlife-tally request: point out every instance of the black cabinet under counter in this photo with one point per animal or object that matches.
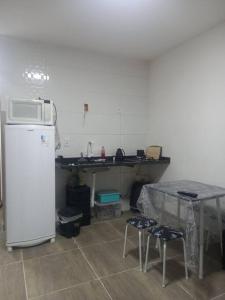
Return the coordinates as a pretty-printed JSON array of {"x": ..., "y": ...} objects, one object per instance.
[{"x": 79, "y": 197}]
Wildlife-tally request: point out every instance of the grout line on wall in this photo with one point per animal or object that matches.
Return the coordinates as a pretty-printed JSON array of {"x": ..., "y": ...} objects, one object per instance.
[
  {"x": 105, "y": 133},
  {"x": 106, "y": 113}
]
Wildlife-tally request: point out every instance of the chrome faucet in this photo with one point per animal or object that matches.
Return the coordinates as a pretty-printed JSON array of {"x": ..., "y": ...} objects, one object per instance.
[{"x": 90, "y": 149}]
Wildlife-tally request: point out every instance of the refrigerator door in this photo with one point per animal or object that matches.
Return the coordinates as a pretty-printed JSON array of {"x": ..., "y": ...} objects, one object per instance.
[{"x": 29, "y": 183}]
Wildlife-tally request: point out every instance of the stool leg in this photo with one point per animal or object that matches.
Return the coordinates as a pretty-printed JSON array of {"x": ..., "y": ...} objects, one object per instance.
[
  {"x": 125, "y": 241},
  {"x": 143, "y": 240},
  {"x": 160, "y": 248},
  {"x": 147, "y": 254},
  {"x": 207, "y": 240},
  {"x": 185, "y": 259},
  {"x": 164, "y": 263},
  {"x": 140, "y": 248}
]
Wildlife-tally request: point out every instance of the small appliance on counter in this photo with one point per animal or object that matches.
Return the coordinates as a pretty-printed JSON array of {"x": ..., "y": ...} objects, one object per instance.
[
  {"x": 153, "y": 152},
  {"x": 120, "y": 154},
  {"x": 140, "y": 154}
]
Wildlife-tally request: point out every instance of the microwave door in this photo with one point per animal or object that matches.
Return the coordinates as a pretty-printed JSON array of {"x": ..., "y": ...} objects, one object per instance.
[{"x": 26, "y": 112}]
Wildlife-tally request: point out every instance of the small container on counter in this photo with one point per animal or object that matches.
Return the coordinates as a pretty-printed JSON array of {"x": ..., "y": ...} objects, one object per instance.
[{"x": 103, "y": 152}]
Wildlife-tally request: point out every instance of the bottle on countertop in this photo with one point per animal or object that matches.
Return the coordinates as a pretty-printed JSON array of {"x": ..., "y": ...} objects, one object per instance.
[{"x": 103, "y": 152}]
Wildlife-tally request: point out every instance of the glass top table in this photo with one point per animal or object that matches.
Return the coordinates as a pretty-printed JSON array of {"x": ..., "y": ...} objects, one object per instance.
[{"x": 162, "y": 202}]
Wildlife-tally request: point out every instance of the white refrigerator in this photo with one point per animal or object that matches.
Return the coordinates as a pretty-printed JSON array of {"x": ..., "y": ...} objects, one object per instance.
[{"x": 29, "y": 184}]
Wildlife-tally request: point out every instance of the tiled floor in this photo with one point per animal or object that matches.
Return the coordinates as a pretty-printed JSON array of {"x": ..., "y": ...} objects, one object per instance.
[{"x": 91, "y": 267}]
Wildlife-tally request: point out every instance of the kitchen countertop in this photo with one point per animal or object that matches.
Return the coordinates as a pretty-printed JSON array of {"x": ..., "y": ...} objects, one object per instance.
[{"x": 97, "y": 162}]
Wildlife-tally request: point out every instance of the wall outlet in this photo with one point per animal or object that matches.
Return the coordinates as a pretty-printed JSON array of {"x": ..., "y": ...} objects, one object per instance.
[
  {"x": 66, "y": 142},
  {"x": 86, "y": 107}
]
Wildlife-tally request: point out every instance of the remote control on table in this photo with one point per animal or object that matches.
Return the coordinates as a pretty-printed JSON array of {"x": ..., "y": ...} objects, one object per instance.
[{"x": 189, "y": 194}]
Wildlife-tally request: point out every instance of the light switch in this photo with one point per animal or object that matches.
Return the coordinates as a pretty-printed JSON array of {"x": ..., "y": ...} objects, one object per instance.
[
  {"x": 85, "y": 107},
  {"x": 66, "y": 142}
]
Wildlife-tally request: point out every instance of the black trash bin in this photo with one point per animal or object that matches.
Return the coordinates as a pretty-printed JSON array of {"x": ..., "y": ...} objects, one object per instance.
[{"x": 69, "y": 219}]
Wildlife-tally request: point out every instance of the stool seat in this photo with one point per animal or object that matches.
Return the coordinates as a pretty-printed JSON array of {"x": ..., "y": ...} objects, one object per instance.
[
  {"x": 166, "y": 233},
  {"x": 141, "y": 222}
]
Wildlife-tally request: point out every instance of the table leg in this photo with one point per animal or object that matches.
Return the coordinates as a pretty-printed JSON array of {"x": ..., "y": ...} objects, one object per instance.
[
  {"x": 140, "y": 249},
  {"x": 161, "y": 215},
  {"x": 201, "y": 239},
  {"x": 93, "y": 189},
  {"x": 220, "y": 223},
  {"x": 178, "y": 211},
  {"x": 162, "y": 209}
]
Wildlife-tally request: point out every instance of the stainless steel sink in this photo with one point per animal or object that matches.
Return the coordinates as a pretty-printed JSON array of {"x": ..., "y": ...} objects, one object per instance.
[{"x": 89, "y": 161}]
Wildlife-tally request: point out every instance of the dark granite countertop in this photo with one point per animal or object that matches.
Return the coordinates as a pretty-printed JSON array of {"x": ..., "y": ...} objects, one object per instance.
[{"x": 97, "y": 162}]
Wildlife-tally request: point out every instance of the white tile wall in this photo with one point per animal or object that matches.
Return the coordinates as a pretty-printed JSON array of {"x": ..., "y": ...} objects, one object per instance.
[
  {"x": 186, "y": 97},
  {"x": 116, "y": 90}
]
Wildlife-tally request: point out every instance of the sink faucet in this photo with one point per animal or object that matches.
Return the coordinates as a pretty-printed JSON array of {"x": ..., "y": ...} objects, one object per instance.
[{"x": 90, "y": 149}]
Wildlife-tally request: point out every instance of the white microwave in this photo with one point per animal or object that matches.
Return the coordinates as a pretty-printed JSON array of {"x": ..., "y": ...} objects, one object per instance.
[{"x": 30, "y": 112}]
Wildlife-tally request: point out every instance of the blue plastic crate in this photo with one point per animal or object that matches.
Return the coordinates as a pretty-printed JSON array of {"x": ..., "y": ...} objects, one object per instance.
[{"x": 107, "y": 196}]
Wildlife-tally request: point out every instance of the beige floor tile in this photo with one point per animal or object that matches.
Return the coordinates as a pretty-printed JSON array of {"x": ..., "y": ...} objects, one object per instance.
[
  {"x": 61, "y": 244},
  {"x": 173, "y": 247},
  {"x": 49, "y": 268},
  {"x": 107, "y": 258},
  {"x": 211, "y": 286},
  {"x": 49, "y": 273},
  {"x": 97, "y": 233},
  {"x": 89, "y": 291},
  {"x": 153, "y": 252},
  {"x": 120, "y": 225},
  {"x": 12, "y": 285},
  {"x": 175, "y": 271},
  {"x": 8, "y": 257},
  {"x": 135, "y": 285},
  {"x": 222, "y": 297}
]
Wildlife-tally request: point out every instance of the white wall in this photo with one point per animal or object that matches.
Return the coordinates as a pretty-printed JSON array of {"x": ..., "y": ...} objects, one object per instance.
[
  {"x": 115, "y": 89},
  {"x": 187, "y": 108}
]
